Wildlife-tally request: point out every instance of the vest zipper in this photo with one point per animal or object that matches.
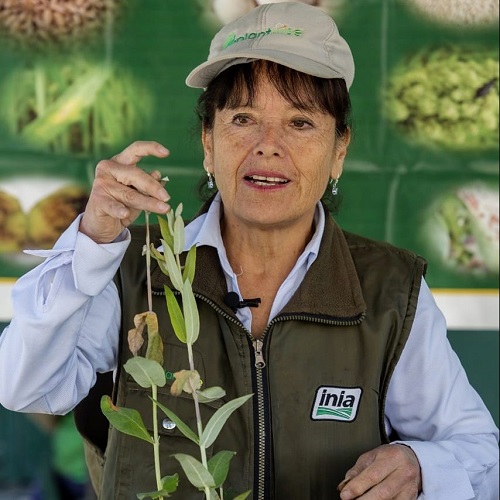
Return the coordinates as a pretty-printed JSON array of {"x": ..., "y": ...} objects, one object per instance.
[{"x": 263, "y": 425}]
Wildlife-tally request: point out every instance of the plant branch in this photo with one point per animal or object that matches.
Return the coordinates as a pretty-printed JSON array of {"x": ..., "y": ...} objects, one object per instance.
[
  {"x": 148, "y": 264},
  {"x": 156, "y": 439}
]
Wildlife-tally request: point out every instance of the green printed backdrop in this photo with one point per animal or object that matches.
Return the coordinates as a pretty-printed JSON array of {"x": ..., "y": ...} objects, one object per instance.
[{"x": 425, "y": 123}]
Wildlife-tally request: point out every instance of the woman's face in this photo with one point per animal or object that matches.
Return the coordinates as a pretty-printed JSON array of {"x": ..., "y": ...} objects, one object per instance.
[{"x": 271, "y": 160}]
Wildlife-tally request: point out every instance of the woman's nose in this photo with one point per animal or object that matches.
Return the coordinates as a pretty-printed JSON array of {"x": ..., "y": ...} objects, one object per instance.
[{"x": 269, "y": 142}]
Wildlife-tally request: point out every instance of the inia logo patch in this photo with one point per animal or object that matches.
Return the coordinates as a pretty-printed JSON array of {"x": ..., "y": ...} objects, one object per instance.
[{"x": 336, "y": 403}]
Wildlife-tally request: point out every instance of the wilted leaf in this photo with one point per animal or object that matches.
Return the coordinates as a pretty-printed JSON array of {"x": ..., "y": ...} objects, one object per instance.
[
  {"x": 155, "y": 343},
  {"x": 155, "y": 349},
  {"x": 135, "y": 338},
  {"x": 185, "y": 380},
  {"x": 145, "y": 372},
  {"x": 210, "y": 394},
  {"x": 218, "y": 466},
  {"x": 219, "y": 418},
  {"x": 197, "y": 474},
  {"x": 184, "y": 428},
  {"x": 175, "y": 313},
  {"x": 126, "y": 420},
  {"x": 191, "y": 316}
]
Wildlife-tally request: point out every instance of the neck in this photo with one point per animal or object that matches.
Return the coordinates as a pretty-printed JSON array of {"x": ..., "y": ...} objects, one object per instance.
[{"x": 264, "y": 253}]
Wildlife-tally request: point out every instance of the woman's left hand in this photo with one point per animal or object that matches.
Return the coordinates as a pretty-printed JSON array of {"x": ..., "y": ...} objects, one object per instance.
[{"x": 391, "y": 471}]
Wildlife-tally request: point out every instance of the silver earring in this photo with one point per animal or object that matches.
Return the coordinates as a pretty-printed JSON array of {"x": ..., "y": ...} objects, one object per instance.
[
  {"x": 210, "y": 181},
  {"x": 335, "y": 189}
]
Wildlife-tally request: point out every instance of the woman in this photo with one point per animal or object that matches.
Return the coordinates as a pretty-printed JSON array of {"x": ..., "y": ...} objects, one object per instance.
[{"x": 346, "y": 351}]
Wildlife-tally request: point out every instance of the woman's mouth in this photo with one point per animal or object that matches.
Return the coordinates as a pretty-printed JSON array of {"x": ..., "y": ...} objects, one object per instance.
[{"x": 261, "y": 180}]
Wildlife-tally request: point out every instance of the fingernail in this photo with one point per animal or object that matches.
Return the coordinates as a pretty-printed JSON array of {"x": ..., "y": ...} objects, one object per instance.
[
  {"x": 163, "y": 150},
  {"x": 163, "y": 208}
]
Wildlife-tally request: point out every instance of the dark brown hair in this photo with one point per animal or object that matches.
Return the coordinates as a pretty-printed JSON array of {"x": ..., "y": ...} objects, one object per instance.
[{"x": 236, "y": 86}]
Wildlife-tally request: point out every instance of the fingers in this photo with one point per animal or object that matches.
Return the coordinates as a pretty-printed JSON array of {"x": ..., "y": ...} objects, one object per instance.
[
  {"x": 131, "y": 186},
  {"x": 121, "y": 191},
  {"x": 388, "y": 472},
  {"x": 138, "y": 150}
]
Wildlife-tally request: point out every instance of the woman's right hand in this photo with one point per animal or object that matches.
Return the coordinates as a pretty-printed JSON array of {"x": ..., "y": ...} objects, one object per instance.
[{"x": 121, "y": 191}]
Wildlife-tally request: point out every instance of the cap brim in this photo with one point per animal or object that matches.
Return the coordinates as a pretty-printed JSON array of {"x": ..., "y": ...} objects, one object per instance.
[{"x": 203, "y": 74}]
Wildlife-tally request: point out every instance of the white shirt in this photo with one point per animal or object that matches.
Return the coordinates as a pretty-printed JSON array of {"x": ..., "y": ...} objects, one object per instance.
[{"x": 65, "y": 329}]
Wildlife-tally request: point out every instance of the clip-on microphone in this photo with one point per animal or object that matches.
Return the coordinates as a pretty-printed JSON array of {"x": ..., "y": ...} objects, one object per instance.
[{"x": 233, "y": 301}]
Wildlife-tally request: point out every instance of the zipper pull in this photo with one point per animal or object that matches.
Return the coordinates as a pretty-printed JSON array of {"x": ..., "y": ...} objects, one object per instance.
[{"x": 259, "y": 358}]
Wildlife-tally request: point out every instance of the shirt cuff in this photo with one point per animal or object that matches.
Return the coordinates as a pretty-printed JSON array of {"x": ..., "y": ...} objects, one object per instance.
[
  {"x": 443, "y": 476},
  {"x": 94, "y": 265}
]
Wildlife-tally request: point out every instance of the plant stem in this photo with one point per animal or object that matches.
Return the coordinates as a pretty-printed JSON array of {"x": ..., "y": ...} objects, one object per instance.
[
  {"x": 148, "y": 264},
  {"x": 156, "y": 439},
  {"x": 154, "y": 388},
  {"x": 199, "y": 423}
]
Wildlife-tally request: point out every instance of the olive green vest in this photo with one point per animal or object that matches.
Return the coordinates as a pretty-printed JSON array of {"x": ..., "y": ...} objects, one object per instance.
[{"x": 319, "y": 401}]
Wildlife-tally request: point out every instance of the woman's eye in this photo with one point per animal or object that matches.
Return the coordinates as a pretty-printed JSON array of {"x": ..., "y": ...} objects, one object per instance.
[
  {"x": 241, "y": 119},
  {"x": 301, "y": 123}
]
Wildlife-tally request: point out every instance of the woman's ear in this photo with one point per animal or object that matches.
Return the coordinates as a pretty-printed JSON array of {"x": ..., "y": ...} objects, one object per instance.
[
  {"x": 206, "y": 139},
  {"x": 341, "y": 146}
]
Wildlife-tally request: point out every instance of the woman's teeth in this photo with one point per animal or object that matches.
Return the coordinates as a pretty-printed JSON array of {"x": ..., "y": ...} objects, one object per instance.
[{"x": 261, "y": 180}]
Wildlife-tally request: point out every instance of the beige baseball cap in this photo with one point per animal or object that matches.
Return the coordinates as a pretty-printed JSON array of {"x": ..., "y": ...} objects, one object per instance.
[{"x": 293, "y": 34}]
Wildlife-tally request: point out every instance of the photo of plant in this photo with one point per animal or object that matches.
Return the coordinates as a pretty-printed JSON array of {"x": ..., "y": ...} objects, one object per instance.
[
  {"x": 75, "y": 106},
  {"x": 446, "y": 97}
]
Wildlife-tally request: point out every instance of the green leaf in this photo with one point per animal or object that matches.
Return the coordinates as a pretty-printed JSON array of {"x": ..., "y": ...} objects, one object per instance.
[
  {"x": 161, "y": 262},
  {"x": 197, "y": 474},
  {"x": 170, "y": 222},
  {"x": 243, "y": 496},
  {"x": 166, "y": 234},
  {"x": 173, "y": 271},
  {"x": 213, "y": 495},
  {"x": 178, "y": 210},
  {"x": 156, "y": 254},
  {"x": 145, "y": 372},
  {"x": 178, "y": 235},
  {"x": 175, "y": 313},
  {"x": 184, "y": 428},
  {"x": 191, "y": 316},
  {"x": 126, "y": 420},
  {"x": 218, "y": 466},
  {"x": 210, "y": 394},
  {"x": 190, "y": 265},
  {"x": 219, "y": 418},
  {"x": 169, "y": 485}
]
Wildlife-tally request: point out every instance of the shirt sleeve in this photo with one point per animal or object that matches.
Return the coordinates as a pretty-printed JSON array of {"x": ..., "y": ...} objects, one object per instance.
[
  {"x": 436, "y": 412},
  {"x": 65, "y": 325}
]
